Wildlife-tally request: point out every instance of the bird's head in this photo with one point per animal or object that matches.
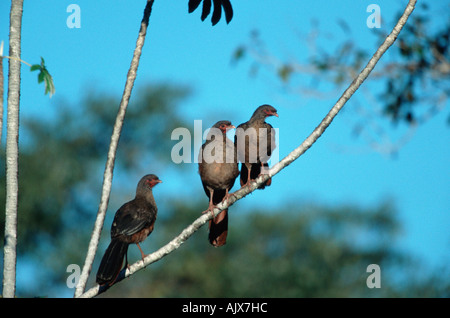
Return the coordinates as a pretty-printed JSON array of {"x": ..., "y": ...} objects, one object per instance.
[
  {"x": 224, "y": 126},
  {"x": 149, "y": 181},
  {"x": 264, "y": 111}
]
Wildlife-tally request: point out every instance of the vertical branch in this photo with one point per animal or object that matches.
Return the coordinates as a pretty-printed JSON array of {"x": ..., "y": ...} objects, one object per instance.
[
  {"x": 108, "y": 173},
  {"x": 1, "y": 91},
  {"x": 12, "y": 152}
]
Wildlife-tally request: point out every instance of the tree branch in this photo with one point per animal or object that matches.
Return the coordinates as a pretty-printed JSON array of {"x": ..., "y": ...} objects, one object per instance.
[
  {"x": 15, "y": 58},
  {"x": 108, "y": 174},
  {"x": 1, "y": 90},
  {"x": 244, "y": 191}
]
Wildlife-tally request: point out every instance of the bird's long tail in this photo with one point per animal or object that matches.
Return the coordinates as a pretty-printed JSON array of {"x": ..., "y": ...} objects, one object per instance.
[
  {"x": 111, "y": 263},
  {"x": 218, "y": 229}
]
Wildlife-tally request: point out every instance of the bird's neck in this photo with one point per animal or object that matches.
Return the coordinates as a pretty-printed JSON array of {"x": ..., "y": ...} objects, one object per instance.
[
  {"x": 146, "y": 195},
  {"x": 259, "y": 120},
  {"x": 213, "y": 137}
]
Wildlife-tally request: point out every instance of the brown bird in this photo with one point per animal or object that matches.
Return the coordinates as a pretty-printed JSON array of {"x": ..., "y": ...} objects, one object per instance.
[
  {"x": 133, "y": 222},
  {"x": 218, "y": 170},
  {"x": 255, "y": 142}
]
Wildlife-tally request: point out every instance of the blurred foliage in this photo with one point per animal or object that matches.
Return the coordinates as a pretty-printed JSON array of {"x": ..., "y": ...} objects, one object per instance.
[
  {"x": 424, "y": 58},
  {"x": 410, "y": 84},
  {"x": 217, "y": 9},
  {"x": 293, "y": 250}
]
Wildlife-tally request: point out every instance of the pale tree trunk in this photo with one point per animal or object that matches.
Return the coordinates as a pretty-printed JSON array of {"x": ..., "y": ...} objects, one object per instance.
[
  {"x": 12, "y": 151},
  {"x": 1, "y": 90}
]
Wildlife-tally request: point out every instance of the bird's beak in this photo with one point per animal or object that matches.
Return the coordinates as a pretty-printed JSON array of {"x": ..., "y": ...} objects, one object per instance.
[
  {"x": 231, "y": 127},
  {"x": 275, "y": 114}
]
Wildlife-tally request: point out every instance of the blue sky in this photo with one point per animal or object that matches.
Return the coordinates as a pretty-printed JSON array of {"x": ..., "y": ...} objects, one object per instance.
[{"x": 181, "y": 49}]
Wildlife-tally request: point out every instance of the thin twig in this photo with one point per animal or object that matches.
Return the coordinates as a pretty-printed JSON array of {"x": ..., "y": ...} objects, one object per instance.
[
  {"x": 16, "y": 59},
  {"x": 108, "y": 174},
  {"x": 244, "y": 191}
]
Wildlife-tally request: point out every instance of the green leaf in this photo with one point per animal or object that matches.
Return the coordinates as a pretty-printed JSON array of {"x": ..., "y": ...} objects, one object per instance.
[
  {"x": 41, "y": 76},
  {"x": 49, "y": 86},
  {"x": 44, "y": 76},
  {"x": 35, "y": 67}
]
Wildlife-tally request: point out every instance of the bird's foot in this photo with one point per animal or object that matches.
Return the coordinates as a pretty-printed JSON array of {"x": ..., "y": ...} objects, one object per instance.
[
  {"x": 249, "y": 183},
  {"x": 267, "y": 183},
  {"x": 228, "y": 196},
  {"x": 143, "y": 255},
  {"x": 210, "y": 210}
]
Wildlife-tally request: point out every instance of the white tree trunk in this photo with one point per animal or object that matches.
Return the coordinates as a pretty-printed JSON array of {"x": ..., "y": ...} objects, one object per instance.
[{"x": 12, "y": 151}]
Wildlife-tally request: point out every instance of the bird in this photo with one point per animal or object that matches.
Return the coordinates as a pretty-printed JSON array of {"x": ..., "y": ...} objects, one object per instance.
[
  {"x": 255, "y": 142},
  {"x": 217, "y": 11},
  {"x": 132, "y": 223},
  {"x": 218, "y": 169}
]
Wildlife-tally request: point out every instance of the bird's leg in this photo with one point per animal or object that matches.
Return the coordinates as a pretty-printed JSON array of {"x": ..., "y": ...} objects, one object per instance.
[
  {"x": 263, "y": 168},
  {"x": 211, "y": 206},
  {"x": 228, "y": 195},
  {"x": 142, "y": 253},
  {"x": 249, "y": 169}
]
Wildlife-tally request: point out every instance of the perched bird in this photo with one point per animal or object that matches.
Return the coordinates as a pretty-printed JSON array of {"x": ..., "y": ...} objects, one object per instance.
[
  {"x": 217, "y": 11},
  {"x": 133, "y": 222},
  {"x": 255, "y": 141},
  {"x": 218, "y": 169}
]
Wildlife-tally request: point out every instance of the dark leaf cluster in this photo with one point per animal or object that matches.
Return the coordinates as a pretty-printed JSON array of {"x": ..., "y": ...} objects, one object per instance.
[{"x": 217, "y": 9}]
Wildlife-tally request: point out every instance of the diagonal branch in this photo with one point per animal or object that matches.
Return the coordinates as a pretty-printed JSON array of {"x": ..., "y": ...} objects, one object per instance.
[
  {"x": 108, "y": 174},
  {"x": 244, "y": 191}
]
